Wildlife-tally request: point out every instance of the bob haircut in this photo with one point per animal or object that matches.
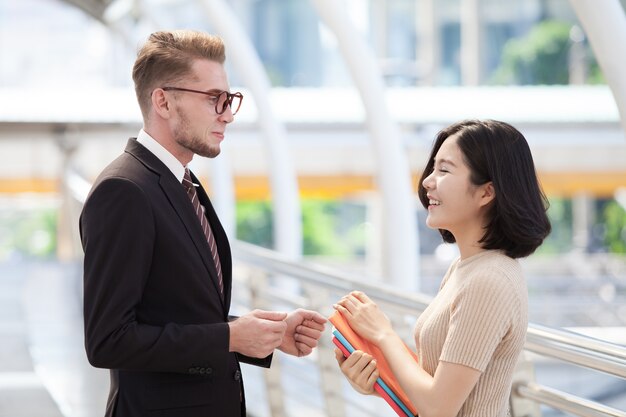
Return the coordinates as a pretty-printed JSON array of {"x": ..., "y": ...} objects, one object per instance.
[{"x": 495, "y": 151}]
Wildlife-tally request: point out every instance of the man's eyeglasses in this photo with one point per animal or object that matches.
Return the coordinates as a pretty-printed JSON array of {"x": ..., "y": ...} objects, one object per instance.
[{"x": 222, "y": 99}]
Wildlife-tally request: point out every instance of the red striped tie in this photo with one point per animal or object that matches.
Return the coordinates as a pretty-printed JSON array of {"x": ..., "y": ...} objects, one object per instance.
[{"x": 199, "y": 209}]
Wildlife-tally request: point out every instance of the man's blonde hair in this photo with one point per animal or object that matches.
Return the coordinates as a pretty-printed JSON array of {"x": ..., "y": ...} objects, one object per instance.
[{"x": 167, "y": 57}]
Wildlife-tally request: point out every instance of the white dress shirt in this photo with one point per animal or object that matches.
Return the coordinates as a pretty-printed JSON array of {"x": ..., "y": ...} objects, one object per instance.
[{"x": 163, "y": 154}]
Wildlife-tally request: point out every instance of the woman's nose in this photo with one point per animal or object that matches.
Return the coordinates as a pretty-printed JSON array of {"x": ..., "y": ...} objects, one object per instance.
[{"x": 427, "y": 183}]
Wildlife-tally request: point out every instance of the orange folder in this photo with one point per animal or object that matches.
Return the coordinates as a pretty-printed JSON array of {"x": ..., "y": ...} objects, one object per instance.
[
  {"x": 379, "y": 389},
  {"x": 363, "y": 345}
]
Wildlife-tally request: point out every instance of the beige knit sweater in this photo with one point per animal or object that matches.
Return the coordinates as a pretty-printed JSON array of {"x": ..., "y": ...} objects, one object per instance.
[{"x": 478, "y": 319}]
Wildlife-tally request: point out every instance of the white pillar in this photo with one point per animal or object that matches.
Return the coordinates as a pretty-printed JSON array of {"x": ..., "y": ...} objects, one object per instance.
[
  {"x": 470, "y": 43},
  {"x": 429, "y": 42},
  {"x": 374, "y": 246},
  {"x": 285, "y": 197},
  {"x": 222, "y": 187},
  {"x": 582, "y": 218},
  {"x": 378, "y": 22},
  {"x": 605, "y": 25},
  {"x": 400, "y": 243}
]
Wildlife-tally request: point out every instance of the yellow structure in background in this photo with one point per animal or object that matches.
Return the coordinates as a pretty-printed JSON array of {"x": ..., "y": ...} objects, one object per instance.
[{"x": 600, "y": 184}]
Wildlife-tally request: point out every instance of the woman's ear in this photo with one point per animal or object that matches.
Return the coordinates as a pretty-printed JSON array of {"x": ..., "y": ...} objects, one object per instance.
[{"x": 488, "y": 193}]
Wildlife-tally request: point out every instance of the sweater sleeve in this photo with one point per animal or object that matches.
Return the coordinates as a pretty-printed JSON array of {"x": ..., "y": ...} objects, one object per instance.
[{"x": 481, "y": 315}]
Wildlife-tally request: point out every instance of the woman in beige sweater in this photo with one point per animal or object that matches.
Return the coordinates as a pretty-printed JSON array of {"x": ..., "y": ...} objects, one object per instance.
[{"x": 481, "y": 191}]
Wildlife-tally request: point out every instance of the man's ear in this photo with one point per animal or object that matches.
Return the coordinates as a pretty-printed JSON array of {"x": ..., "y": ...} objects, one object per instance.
[
  {"x": 488, "y": 193},
  {"x": 160, "y": 104}
]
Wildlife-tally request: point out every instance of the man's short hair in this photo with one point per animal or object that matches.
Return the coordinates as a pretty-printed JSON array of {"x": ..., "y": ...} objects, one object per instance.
[{"x": 167, "y": 57}]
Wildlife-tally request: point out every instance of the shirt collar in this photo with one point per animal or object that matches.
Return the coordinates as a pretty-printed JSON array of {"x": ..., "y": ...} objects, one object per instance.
[{"x": 163, "y": 154}]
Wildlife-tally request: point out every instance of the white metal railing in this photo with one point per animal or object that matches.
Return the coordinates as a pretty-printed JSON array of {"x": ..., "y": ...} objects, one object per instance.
[
  {"x": 267, "y": 279},
  {"x": 320, "y": 284}
]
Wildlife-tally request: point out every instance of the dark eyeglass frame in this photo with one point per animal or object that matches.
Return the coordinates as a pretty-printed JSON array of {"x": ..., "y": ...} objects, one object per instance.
[{"x": 215, "y": 94}]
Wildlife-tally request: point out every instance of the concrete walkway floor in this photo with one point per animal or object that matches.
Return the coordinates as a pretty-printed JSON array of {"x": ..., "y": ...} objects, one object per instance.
[{"x": 43, "y": 368}]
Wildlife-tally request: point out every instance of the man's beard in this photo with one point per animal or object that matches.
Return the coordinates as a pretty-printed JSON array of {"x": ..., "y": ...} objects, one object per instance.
[{"x": 194, "y": 143}]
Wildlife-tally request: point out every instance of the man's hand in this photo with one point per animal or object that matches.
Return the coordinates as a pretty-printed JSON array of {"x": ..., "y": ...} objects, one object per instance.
[
  {"x": 257, "y": 333},
  {"x": 304, "y": 329},
  {"x": 359, "y": 369}
]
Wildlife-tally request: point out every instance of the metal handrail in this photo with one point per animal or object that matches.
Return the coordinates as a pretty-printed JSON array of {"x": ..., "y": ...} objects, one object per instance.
[
  {"x": 564, "y": 401},
  {"x": 561, "y": 344},
  {"x": 555, "y": 343},
  {"x": 324, "y": 276},
  {"x": 582, "y": 350},
  {"x": 577, "y": 349},
  {"x": 538, "y": 332}
]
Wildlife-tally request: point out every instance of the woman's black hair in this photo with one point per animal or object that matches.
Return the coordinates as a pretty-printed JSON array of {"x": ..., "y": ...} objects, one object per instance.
[{"x": 495, "y": 151}]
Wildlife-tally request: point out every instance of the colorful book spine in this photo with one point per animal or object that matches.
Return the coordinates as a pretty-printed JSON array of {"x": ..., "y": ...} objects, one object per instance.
[
  {"x": 394, "y": 402},
  {"x": 358, "y": 343}
]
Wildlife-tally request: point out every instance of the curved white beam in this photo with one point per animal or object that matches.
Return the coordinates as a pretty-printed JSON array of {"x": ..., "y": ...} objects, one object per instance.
[
  {"x": 400, "y": 241},
  {"x": 283, "y": 183},
  {"x": 605, "y": 25}
]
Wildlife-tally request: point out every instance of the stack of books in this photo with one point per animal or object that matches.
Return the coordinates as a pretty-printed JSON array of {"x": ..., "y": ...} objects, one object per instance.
[{"x": 387, "y": 386}]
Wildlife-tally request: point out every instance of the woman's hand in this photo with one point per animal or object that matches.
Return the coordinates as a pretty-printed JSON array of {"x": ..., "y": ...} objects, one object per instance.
[
  {"x": 364, "y": 317},
  {"x": 360, "y": 370}
]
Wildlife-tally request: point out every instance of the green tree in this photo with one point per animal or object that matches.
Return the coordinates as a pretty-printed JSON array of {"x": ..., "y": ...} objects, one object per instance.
[
  {"x": 615, "y": 227},
  {"x": 254, "y": 223},
  {"x": 329, "y": 228},
  {"x": 560, "y": 238},
  {"x": 30, "y": 233},
  {"x": 541, "y": 57}
]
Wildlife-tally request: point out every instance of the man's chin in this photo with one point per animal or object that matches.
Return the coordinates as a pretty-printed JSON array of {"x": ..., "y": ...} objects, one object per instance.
[{"x": 208, "y": 153}]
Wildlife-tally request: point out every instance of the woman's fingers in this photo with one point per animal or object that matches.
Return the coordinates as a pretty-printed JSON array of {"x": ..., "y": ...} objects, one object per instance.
[
  {"x": 359, "y": 365},
  {"x": 339, "y": 356},
  {"x": 362, "y": 373},
  {"x": 361, "y": 296}
]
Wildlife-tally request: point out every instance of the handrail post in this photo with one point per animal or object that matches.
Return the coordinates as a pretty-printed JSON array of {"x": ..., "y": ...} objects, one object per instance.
[
  {"x": 272, "y": 376},
  {"x": 68, "y": 240},
  {"x": 524, "y": 372},
  {"x": 330, "y": 379}
]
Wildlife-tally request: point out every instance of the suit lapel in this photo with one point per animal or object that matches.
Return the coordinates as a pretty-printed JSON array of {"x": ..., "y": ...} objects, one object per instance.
[{"x": 178, "y": 198}]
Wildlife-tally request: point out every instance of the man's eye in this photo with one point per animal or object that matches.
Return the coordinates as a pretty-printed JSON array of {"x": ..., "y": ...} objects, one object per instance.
[{"x": 213, "y": 99}]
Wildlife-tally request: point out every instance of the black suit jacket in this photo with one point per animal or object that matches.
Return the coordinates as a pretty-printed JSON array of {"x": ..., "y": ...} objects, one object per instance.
[{"x": 152, "y": 309}]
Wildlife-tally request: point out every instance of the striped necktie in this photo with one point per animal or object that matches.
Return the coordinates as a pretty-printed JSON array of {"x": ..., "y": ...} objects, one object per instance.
[{"x": 206, "y": 228}]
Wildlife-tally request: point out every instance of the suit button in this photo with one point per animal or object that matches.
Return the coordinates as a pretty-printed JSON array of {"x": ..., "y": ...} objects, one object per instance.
[
  {"x": 208, "y": 371},
  {"x": 237, "y": 376},
  {"x": 193, "y": 371}
]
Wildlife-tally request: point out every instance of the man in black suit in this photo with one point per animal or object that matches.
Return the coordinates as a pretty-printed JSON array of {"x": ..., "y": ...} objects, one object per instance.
[{"x": 157, "y": 267}]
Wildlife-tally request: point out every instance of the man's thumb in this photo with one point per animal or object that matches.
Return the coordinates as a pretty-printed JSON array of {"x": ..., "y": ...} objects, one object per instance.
[{"x": 270, "y": 315}]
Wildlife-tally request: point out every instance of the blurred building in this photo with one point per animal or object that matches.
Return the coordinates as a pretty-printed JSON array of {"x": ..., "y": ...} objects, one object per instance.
[{"x": 416, "y": 42}]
